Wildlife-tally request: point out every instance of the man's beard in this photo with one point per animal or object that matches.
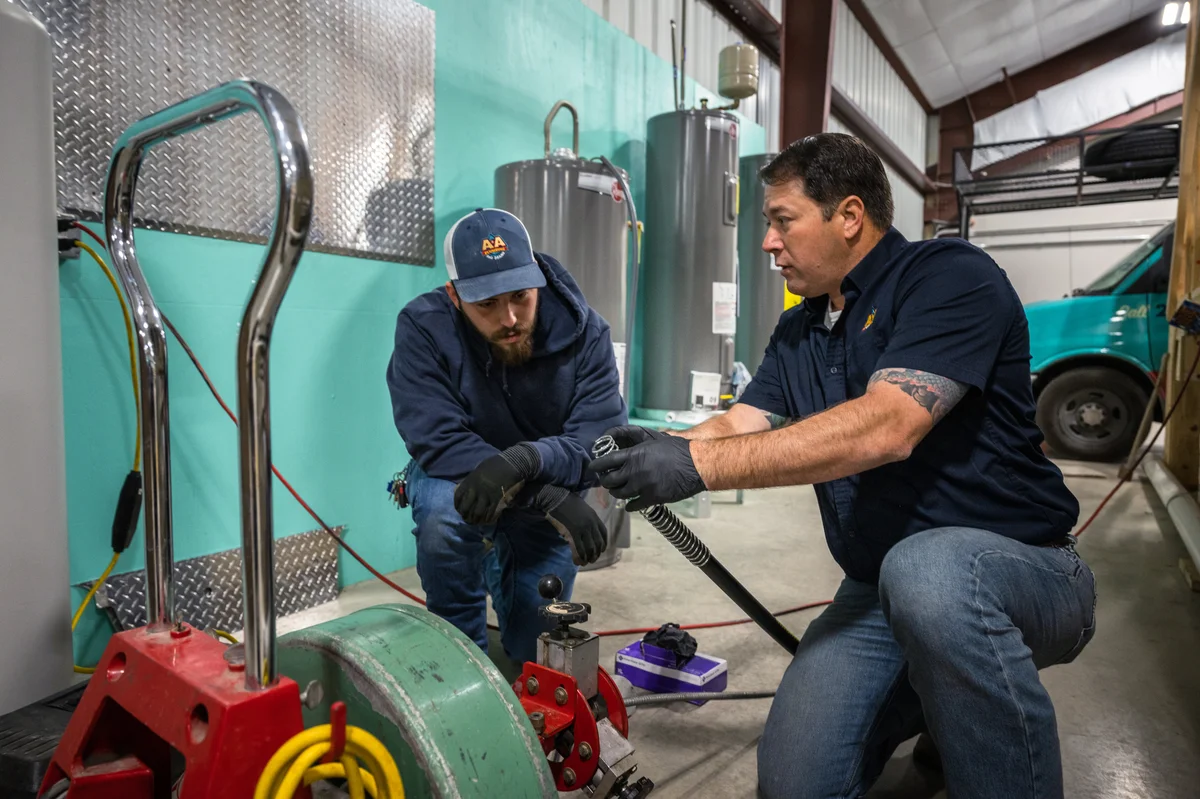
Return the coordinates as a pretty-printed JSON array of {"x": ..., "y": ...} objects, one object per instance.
[{"x": 516, "y": 353}]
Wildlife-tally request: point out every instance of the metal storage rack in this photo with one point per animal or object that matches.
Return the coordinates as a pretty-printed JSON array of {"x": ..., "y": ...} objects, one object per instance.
[{"x": 1052, "y": 172}]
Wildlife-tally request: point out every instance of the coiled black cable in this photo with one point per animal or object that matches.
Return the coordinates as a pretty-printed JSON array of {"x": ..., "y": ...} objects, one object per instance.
[{"x": 675, "y": 531}]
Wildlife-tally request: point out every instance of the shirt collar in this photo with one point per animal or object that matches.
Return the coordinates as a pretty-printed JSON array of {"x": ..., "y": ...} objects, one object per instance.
[
  {"x": 864, "y": 273},
  {"x": 875, "y": 262}
]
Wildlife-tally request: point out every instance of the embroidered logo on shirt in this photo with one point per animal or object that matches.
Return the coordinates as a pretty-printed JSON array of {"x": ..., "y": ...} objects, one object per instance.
[
  {"x": 870, "y": 319},
  {"x": 494, "y": 248}
]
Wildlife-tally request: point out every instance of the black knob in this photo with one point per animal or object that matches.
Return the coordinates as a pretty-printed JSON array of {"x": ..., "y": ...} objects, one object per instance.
[{"x": 550, "y": 587}]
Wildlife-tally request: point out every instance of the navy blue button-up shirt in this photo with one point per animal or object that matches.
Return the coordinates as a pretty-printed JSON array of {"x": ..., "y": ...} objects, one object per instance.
[{"x": 940, "y": 306}]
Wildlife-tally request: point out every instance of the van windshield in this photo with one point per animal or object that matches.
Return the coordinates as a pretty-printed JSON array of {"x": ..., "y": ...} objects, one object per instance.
[{"x": 1108, "y": 282}]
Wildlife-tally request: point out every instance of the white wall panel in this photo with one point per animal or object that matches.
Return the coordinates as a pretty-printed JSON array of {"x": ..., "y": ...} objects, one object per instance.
[
  {"x": 767, "y": 103},
  {"x": 1048, "y": 254},
  {"x": 909, "y": 204},
  {"x": 648, "y": 22},
  {"x": 864, "y": 75}
]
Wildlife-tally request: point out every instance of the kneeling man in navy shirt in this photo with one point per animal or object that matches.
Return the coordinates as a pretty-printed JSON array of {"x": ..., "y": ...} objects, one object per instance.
[{"x": 900, "y": 390}]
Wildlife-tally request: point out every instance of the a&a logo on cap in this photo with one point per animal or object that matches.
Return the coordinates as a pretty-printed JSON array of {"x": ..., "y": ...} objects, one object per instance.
[{"x": 494, "y": 248}]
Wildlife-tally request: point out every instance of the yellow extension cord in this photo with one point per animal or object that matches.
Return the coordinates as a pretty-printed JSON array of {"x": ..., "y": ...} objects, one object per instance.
[
  {"x": 137, "y": 445},
  {"x": 296, "y": 763}
]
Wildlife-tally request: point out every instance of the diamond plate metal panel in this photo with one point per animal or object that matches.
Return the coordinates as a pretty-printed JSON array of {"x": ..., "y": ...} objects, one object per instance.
[
  {"x": 208, "y": 589},
  {"x": 359, "y": 72}
]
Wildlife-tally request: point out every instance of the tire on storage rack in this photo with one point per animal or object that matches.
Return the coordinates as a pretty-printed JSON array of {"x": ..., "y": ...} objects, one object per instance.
[
  {"x": 1136, "y": 155},
  {"x": 1091, "y": 413}
]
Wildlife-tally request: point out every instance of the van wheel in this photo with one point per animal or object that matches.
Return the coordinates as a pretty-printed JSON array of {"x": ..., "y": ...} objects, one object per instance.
[{"x": 1091, "y": 414}]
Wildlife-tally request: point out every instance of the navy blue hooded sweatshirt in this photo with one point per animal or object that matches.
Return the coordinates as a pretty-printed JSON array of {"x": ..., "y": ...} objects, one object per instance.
[{"x": 455, "y": 405}]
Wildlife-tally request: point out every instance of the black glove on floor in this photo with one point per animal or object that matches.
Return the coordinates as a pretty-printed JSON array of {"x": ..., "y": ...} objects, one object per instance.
[
  {"x": 489, "y": 489},
  {"x": 655, "y": 472},
  {"x": 673, "y": 639},
  {"x": 575, "y": 521}
]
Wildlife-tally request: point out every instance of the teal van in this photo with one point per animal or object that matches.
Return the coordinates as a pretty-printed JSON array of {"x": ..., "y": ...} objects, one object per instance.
[{"x": 1096, "y": 354}]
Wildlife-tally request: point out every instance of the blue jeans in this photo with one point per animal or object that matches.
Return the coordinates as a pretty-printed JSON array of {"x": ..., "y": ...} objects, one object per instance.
[
  {"x": 457, "y": 577},
  {"x": 949, "y": 642}
]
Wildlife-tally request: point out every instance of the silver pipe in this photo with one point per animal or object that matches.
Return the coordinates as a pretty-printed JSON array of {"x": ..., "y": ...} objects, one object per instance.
[
  {"x": 561, "y": 104},
  {"x": 674, "y": 68},
  {"x": 631, "y": 303},
  {"x": 1029, "y": 231},
  {"x": 689, "y": 696},
  {"x": 290, "y": 231},
  {"x": 1180, "y": 506},
  {"x": 1041, "y": 245},
  {"x": 683, "y": 56}
]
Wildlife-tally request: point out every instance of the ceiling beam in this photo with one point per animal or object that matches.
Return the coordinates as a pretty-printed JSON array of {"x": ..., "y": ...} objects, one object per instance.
[
  {"x": 865, "y": 128},
  {"x": 806, "y": 68},
  {"x": 754, "y": 21},
  {"x": 867, "y": 20},
  {"x": 1143, "y": 112},
  {"x": 1020, "y": 86}
]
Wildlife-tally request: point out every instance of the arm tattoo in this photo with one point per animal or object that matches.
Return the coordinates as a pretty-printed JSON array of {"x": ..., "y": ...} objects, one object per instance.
[
  {"x": 776, "y": 420},
  {"x": 934, "y": 393}
]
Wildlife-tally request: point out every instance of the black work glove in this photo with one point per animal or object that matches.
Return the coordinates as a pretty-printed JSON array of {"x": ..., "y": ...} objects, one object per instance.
[
  {"x": 630, "y": 435},
  {"x": 654, "y": 472},
  {"x": 575, "y": 521},
  {"x": 493, "y": 484}
]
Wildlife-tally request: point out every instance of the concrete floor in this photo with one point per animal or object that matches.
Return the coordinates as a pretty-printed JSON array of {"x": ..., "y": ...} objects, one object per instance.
[{"x": 1128, "y": 707}]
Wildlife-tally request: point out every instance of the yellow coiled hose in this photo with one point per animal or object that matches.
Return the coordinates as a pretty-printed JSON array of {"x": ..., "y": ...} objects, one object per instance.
[{"x": 296, "y": 763}]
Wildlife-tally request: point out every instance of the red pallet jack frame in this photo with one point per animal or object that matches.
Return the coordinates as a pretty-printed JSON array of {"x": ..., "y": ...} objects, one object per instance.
[{"x": 155, "y": 691}]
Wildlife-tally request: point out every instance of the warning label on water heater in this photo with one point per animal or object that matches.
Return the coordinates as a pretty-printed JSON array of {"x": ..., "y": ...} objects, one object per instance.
[
  {"x": 706, "y": 390},
  {"x": 724, "y": 309},
  {"x": 602, "y": 184},
  {"x": 722, "y": 124}
]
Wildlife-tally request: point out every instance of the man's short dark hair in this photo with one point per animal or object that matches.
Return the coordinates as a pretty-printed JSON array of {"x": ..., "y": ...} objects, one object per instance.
[{"x": 832, "y": 167}]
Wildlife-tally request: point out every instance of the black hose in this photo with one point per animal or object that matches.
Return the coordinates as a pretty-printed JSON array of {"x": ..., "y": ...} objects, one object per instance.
[
  {"x": 674, "y": 530},
  {"x": 666, "y": 699}
]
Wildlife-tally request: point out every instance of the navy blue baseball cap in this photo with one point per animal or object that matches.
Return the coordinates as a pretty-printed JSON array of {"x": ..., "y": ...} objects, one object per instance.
[{"x": 488, "y": 253}]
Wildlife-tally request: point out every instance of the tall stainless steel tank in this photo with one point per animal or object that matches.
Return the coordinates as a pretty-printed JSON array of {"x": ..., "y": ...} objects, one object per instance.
[
  {"x": 760, "y": 283},
  {"x": 690, "y": 273},
  {"x": 574, "y": 211}
]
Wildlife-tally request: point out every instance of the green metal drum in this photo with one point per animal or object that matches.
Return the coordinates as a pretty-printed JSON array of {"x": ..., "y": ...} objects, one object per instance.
[{"x": 430, "y": 695}]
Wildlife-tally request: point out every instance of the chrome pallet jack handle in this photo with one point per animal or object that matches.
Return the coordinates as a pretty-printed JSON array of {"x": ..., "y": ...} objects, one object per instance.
[{"x": 293, "y": 217}]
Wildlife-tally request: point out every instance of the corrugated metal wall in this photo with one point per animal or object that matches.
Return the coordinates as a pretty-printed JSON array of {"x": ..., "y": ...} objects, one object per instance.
[
  {"x": 859, "y": 70},
  {"x": 649, "y": 23},
  {"x": 865, "y": 76},
  {"x": 910, "y": 204}
]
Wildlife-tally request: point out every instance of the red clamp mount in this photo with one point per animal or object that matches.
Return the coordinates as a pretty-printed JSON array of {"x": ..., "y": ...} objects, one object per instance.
[
  {"x": 174, "y": 688},
  {"x": 576, "y": 708}
]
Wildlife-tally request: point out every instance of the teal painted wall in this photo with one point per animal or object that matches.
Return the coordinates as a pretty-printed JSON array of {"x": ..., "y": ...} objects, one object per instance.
[{"x": 501, "y": 65}]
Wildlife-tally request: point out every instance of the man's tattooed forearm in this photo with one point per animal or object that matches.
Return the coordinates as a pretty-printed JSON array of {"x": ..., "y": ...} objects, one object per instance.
[
  {"x": 934, "y": 393},
  {"x": 776, "y": 420}
]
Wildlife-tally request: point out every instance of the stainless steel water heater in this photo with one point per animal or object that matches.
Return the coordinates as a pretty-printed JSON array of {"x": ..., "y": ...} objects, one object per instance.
[
  {"x": 574, "y": 210},
  {"x": 760, "y": 283},
  {"x": 690, "y": 276}
]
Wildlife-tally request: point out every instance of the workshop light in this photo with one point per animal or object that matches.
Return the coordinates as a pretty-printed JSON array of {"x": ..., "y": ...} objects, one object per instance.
[{"x": 1174, "y": 14}]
